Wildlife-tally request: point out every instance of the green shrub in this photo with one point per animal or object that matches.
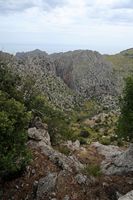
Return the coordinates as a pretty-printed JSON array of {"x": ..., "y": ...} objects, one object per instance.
[
  {"x": 92, "y": 170},
  {"x": 64, "y": 149},
  {"x": 125, "y": 122},
  {"x": 13, "y": 136},
  {"x": 105, "y": 140}
]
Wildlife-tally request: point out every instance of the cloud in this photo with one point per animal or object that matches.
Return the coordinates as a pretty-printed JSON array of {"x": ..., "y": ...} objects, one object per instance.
[
  {"x": 65, "y": 21},
  {"x": 12, "y": 6}
]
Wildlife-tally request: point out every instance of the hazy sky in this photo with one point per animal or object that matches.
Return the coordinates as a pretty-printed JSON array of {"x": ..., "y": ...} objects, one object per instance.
[{"x": 60, "y": 25}]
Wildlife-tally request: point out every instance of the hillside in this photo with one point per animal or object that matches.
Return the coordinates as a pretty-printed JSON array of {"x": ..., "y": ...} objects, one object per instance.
[
  {"x": 58, "y": 125},
  {"x": 122, "y": 64}
]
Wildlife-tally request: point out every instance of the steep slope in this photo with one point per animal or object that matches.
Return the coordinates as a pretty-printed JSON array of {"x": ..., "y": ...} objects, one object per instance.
[
  {"x": 38, "y": 66},
  {"x": 86, "y": 72}
]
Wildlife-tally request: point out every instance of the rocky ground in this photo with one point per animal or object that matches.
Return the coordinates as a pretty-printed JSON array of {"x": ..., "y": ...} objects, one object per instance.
[{"x": 88, "y": 172}]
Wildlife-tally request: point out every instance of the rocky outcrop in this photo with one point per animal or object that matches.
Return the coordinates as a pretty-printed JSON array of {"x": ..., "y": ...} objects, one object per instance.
[
  {"x": 64, "y": 162},
  {"x": 109, "y": 151},
  {"x": 39, "y": 135},
  {"x": 117, "y": 161},
  {"x": 119, "y": 164},
  {"x": 40, "y": 138},
  {"x": 128, "y": 196}
]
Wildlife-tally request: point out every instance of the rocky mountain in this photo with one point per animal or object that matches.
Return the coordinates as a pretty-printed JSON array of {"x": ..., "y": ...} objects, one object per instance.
[
  {"x": 70, "y": 78},
  {"x": 86, "y": 72},
  {"x": 38, "y": 66}
]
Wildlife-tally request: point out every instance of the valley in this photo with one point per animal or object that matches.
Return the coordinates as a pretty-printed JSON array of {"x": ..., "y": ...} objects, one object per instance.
[{"x": 72, "y": 108}]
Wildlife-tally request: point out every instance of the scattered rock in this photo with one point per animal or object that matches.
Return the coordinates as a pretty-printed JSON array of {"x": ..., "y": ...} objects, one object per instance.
[
  {"x": 62, "y": 161},
  {"x": 128, "y": 196},
  {"x": 81, "y": 179},
  {"x": 66, "y": 197}
]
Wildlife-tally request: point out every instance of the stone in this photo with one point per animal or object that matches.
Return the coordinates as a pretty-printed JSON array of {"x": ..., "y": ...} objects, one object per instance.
[
  {"x": 46, "y": 186},
  {"x": 128, "y": 196},
  {"x": 73, "y": 145},
  {"x": 66, "y": 197},
  {"x": 39, "y": 135},
  {"x": 81, "y": 179}
]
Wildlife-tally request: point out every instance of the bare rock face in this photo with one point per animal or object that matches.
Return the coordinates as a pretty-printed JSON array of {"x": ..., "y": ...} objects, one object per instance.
[
  {"x": 39, "y": 135},
  {"x": 128, "y": 196},
  {"x": 46, "y": 186}
]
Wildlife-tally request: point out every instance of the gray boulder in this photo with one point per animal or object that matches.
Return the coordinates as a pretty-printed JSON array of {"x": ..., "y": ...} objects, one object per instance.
[
  {"x": 81, "y": 179},
  {"x": 107, "y": 151},
  {"x": 120, "y": 164},
  {"x": 39, "y": 135},
  {"x": 46, "y": 186},
  {"x": 128, "y": 196}
]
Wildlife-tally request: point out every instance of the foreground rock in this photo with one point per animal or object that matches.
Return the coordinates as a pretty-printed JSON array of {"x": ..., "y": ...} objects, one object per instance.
[
  {"x": 120, "y": 164},
  {"x": 46, "y": 186},
  {"x": 40, "y": 138},
  {"x": 128, "y": 196},
  {"x": 69, "y": 163}
]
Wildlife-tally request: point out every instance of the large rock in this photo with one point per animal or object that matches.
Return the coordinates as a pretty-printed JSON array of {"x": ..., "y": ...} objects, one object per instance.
[
  {"x": 120, "y": 164},
  {"x": 128, "y": 196},
  {"x": 109, "y": 151},
  {"x": 46, "y": 186},
  {"x": 39, "y": 135},
  {"x": 116, "y": 161}
]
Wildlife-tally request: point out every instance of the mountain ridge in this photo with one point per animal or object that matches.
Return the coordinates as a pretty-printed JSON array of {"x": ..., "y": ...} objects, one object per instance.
[{"x": 73, "y": 76}]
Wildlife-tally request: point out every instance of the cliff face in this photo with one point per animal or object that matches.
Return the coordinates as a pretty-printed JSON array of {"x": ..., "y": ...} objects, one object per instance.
[{"x": 86, "y": 72}]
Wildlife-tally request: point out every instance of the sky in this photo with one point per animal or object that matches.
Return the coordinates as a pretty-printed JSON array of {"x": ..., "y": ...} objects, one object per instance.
[{"x": 61, "y": 25}]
